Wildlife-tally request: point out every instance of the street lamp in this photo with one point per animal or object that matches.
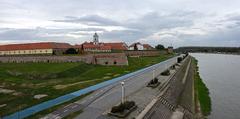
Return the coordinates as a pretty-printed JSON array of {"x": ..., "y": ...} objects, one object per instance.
[
  {"x": 153, "y": 73},
  {"x": 123, "y": 91}
]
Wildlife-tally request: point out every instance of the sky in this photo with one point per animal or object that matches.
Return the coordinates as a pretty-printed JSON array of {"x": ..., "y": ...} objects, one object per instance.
[{"x": 169, "y": 22}]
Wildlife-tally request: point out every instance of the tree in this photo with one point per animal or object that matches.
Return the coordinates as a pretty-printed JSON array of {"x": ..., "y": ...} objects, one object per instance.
[
  {"x": 71, "y": 51},
  {"x": 160, "y": 47},
  {"x": 135, "y": 47}
]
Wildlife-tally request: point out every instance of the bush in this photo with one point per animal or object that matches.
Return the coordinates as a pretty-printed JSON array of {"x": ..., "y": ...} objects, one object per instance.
[
  {"x": 173, "y": 67},
  {"x": 129, "y": 104},
  {"x": 119, "y": 108},
  {"x": 166, "y": 73},
  {"x": 71, "y": 51},
  {"x": 123, "y": 106},
  {"x": 179, "y": 59},
  {"x": 153, "y": 81}
]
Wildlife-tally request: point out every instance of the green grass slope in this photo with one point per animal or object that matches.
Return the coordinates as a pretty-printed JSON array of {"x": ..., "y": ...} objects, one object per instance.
[{"x": 56, "y": 79}]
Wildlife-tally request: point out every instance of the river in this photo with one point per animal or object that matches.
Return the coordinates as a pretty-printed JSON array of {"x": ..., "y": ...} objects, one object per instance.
[{"x": 221, "y": 74}]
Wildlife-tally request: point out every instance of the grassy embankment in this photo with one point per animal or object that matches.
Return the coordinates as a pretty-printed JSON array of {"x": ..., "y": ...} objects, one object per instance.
[
  {"x": 56, "y": 79},
  {"x": 201, "y": 93}
]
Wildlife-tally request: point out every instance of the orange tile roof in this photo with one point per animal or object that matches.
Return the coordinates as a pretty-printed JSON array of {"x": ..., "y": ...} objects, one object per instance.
[
  {"x": 32, "y": 46},
  {"x": 91, "y": 45},
  {"x": 104, "y": 46},
  {"x": 117, "y": 46},
  {"x": 147, "y": 46}
]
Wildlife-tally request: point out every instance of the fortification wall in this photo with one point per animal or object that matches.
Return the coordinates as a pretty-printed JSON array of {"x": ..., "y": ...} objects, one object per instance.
[
  {"x": 132, "y": 53},
  {"x": 101, "y": 59}
]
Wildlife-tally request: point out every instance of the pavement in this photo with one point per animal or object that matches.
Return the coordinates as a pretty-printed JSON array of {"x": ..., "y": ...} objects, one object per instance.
[
  {"x": 98, "y": 104},
  {"x": 167, "y": 106}
]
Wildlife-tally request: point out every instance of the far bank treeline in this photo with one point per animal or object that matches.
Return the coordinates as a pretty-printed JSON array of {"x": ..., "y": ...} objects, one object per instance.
[{"x": 235, "y": 50}]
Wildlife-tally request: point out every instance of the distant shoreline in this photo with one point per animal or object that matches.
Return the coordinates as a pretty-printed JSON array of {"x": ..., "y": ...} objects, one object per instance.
[{"x": 217, "y": 53}]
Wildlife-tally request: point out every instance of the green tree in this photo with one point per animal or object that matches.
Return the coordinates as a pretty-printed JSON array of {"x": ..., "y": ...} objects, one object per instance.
[
  {"x": 71, "y": 51},
  {"x": 160, "y": 47}
]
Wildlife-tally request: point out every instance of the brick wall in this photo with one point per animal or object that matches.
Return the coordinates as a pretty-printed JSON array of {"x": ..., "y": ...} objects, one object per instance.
[
  {"x": 102, "y": 59},
  {"x": 132, "y": 53},
  {"x": 111, "y": 59}
]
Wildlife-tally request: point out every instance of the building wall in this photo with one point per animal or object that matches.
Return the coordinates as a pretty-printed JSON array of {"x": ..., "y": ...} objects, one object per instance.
[
  {"x": 170, "y": 50},
  {"x": 26, "y": 52},
  {"x": 95, "y": 50},
  {"x": 139, "y": 47}
]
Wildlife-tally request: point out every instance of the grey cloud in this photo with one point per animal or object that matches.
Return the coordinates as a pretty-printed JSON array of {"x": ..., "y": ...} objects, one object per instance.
[
  {"x": 154, "y": 21},
  {"x": 42, "y": 34},
  {"x": 141, "y": 27},
  {"x": 90, "y": 20}
]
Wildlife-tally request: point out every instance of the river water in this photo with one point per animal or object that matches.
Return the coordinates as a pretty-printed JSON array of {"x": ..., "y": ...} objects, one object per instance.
[{"x": 221, "y": 74}]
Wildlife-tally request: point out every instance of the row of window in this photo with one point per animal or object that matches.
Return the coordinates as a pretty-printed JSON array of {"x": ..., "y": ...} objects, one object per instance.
[
  {"x": 24, "y": 52},
  {"x": 97, "y": 50}
]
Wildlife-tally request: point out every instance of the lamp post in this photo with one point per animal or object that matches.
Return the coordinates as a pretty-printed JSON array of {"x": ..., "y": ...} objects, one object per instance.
[
  {"x": 123, "y": 91},
  {"x": 153, "y": 73}
]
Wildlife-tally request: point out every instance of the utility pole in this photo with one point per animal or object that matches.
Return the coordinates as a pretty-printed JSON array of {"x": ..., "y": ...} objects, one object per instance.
[{"x": 123, "y": 92}]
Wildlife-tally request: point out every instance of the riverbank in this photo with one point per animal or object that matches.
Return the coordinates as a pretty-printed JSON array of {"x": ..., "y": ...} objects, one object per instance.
[
  {"x": 202, "y": 97},
  {"x": 223, "y": 53}
]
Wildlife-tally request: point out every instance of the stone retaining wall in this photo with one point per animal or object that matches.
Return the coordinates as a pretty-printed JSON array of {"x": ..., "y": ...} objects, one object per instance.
[
  {"x": 102, "y": 59},
  {"x": 132, "y": 53}
]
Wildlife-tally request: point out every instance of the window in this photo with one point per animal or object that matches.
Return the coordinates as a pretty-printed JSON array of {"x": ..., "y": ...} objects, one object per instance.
[
  {"x": 106, "y": 63},
  {"x": 115, "y": 62}
]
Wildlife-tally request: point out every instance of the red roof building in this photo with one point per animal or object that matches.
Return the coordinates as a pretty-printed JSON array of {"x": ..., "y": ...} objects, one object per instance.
[
  {"x": 101, "y": 47},
  {"x": 97, "y": 46},
  {"x": 148, "y": 47},
  {"x": 139, "y": 46},
  {"x": 117, "y": 46},
  {"x": 34, "y": 48}
]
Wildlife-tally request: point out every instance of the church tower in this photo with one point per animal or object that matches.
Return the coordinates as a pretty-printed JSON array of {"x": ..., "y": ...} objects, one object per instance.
[{"x": 95, "y": 39}]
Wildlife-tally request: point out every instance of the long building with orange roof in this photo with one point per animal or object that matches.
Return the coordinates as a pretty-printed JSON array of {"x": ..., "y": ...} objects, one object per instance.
[{"x": 34, "y": 48}]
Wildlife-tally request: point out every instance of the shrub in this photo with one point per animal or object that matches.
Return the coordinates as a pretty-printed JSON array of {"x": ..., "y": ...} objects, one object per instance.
[
  {"x": 177, "y": 64},
  {"x": 71, "y": 51},
  {"x": 129, "y": 104},
  {"x": 123, "y": 106},
  {"x": 153, "y": 81},
  {"x": 119, "y": 108},
  {"x": 179, "y": 59},
  {"x": 166, "y": 73},
  {"x": 173, "y": 67}
]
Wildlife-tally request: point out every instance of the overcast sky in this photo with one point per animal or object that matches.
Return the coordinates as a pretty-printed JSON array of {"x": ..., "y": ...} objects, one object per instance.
[{"x": 168, "y": 22}]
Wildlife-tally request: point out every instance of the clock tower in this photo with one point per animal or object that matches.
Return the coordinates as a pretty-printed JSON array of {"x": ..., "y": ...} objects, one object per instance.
[{"x": 95, "y": 39}]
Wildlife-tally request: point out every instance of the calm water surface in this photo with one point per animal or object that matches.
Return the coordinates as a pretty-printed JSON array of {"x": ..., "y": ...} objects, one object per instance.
[{"x": 221, "y": 74}]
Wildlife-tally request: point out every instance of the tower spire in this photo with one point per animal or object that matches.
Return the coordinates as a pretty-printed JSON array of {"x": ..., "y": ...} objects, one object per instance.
[{"x": 95, "y": 38}]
